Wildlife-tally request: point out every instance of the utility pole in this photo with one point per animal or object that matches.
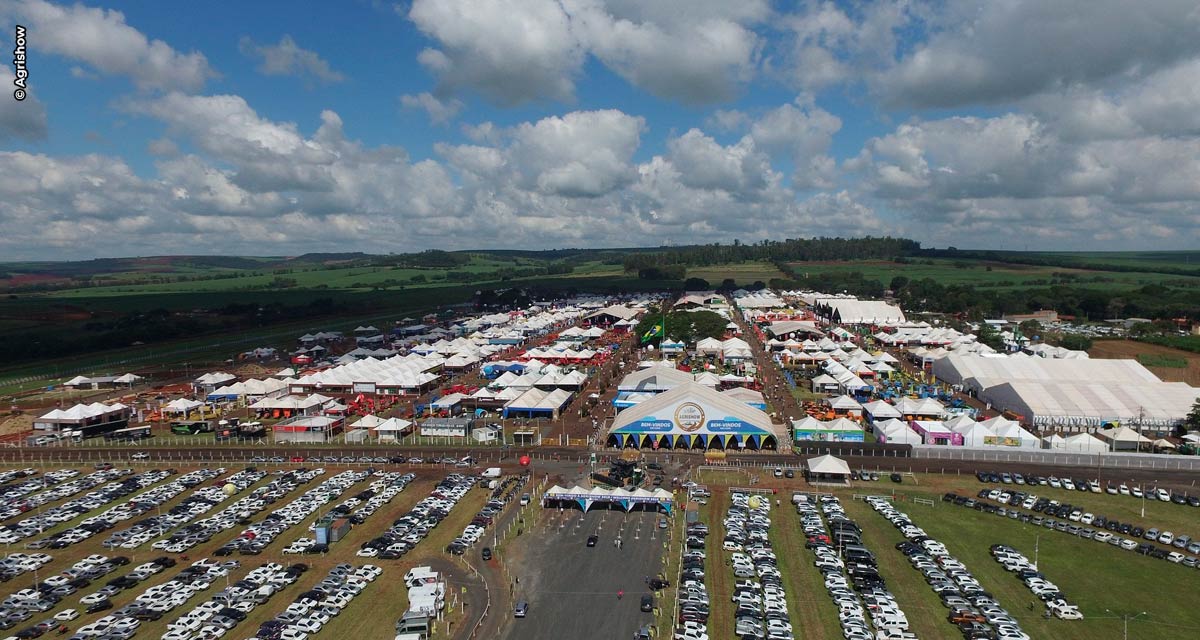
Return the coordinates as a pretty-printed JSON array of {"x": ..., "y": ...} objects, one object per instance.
[{"x": 1126, "y": 618}]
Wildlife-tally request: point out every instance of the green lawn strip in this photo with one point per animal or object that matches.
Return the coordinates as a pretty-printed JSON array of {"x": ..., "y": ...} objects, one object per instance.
[
  {"x": 1097, "y": 577},
  {"x": 926, "y": 615},
  {"x": 718, "y": 575},
  {"x": 812, "y": 611}
]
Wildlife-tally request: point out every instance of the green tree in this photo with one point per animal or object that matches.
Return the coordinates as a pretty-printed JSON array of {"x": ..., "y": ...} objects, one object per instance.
[
  {"x": 1075, "y": 342},
  {"x": 685, "y": 326},
  {"x": 1031, "y": 328},
  {"x": 989, "y": 336},
  {"x": 1192, "y": 421},
  {"x": 696, "y": 284}
]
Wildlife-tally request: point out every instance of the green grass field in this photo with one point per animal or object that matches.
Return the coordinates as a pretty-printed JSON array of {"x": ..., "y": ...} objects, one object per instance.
[
  {"x": 991, "y": 274},
  {"x": 744, "y": 274}
]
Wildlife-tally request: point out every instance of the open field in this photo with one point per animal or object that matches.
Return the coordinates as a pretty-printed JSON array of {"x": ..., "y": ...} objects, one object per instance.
[
  {"x": 1124, "y": 349},
  {"x": 998, "y": 275},
  {"x": 744, "y": 274}
]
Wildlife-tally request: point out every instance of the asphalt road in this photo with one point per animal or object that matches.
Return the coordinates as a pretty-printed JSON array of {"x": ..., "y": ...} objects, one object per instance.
[{"x": 572, "y": 588}]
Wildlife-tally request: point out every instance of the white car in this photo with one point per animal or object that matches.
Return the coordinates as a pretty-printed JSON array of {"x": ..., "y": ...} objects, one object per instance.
[{"x": 66, "y": 615}]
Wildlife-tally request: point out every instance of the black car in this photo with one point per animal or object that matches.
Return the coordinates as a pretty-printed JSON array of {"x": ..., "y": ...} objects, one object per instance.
[
  {"x": 103, "y": 605},
  {"x": 788, "y": 473},
  {"x": 592, "y": 540},
  {"x": 647, "y": 603},
  {"x": 895, "y": 477},
  {"x": 486, "y": 554}
]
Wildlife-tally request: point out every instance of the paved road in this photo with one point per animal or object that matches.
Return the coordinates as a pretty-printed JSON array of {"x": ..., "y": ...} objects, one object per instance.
[{"x": 572, "y": 589}]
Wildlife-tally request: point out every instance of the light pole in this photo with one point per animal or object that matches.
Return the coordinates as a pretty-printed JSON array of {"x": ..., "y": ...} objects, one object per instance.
[
  {"x": 1037, "y": 542},
  {"x": 1126, "y": 618}
]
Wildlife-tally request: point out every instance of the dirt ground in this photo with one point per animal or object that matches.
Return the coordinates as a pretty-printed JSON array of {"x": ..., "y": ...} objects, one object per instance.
[
  {"x": 10, "y": 425},
  {"x": 1117, "y": 349}
]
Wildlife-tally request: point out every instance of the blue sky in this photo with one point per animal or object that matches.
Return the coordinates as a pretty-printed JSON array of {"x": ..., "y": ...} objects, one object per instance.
[{"x": 282, "y": 128}]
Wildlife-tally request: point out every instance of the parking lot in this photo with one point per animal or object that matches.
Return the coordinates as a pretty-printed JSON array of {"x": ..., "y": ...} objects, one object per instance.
[{"x": 572, "y": 588}]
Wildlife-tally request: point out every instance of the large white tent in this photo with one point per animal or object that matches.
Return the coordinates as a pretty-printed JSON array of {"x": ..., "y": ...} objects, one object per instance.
[
  {"x": 693, "y": 415},
  {"x": 1071, "y": 392}
]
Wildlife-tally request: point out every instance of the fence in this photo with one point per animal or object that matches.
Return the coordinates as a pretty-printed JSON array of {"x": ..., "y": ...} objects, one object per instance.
[{"x": 1063, "y": 458}]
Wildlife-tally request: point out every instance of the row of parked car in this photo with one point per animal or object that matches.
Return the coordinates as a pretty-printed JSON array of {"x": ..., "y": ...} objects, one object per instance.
[
  {"x": 15, "y": 564},
  {"x": 1101, "y": 529},
  {"x": 45, "y": 519},
  {"x": 357, "y": 508},
  {"x": 220, "y": 613},
  {"x": 762, "y": 609},
  {"x": 11, "y": 490},
  {"x": 504, "y": 492},
  {"x": 201, "y": 501},
  {"x": 238, "y": 512},
  {"x": 976, "y": 612},
  {"x": 410, "y": 529},
  {"x": 851, "y": 573},
  {"x": 255, "y": 536},
  {"x": 694, "y": 606},
  {"x": 1069, "y": 484},
  {"x": 1048, "y": 592},
  {"x": 135, "y": 506},
  {"x": 58, "y": 484},
  {"x": 314, "y": 608}
]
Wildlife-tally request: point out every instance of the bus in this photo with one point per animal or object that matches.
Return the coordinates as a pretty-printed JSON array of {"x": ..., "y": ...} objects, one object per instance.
[{"x": 128, "y": 434}]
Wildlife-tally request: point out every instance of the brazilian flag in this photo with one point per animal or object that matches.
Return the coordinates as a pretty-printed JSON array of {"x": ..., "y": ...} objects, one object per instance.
[{"x": 655, "y": 332}]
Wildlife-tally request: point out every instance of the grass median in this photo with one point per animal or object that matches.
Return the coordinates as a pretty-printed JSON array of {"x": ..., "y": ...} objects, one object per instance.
[{"x": 813, "y": 614}]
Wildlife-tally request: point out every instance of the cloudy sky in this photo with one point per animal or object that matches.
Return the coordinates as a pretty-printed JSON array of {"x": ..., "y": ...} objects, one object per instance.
[{"x": 266, "y": 128}]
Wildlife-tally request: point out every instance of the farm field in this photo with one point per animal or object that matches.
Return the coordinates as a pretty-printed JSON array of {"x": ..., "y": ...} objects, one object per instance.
[
  {"x": 998, "y": 275},
  {"x": 743, "y": 274},
  {"x": 1148, "y": 354}
]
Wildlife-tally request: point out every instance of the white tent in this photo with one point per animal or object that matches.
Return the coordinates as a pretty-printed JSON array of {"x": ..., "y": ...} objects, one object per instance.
[
  {"x": 369, "y": 421},
  {"x": 1084, "y": 443},
  {"x": 181, "y": 405},
  {"x": 844, "y": 403},
  {"x": 828, "y": 465},
  {"x": 976, "y": 435},
  {"x": 880, "y": 410},
  {"x": 128, "y": 378},
  {"x": 896, "y": 432}
]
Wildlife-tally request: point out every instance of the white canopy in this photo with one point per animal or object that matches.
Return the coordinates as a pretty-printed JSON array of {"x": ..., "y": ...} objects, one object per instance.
[
  {"x": 880, "y": 410},
  {"x": 828, "y": 465},
  {"x": 844, "y": 403}
]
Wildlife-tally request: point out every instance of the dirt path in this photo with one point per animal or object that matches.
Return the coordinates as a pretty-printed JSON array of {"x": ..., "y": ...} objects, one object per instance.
[{"x": 1130, "y": 349}]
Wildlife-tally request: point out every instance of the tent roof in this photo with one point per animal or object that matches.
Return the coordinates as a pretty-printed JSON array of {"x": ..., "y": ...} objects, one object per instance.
[
  {"x": 844, "y": 402},
  {"x": 1123, "y": 434},
  {"x": 880, "y": 409},
  {"x": 663, "y": 404},
  {"x": 828, "y": 465}
]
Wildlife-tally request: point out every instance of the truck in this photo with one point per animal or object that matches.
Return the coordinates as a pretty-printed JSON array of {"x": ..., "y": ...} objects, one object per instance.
[
  {"x": 604, "y": 479},
  {"x": 413, "y": 625},
  {"x": 191, "y": 427},
  {"x": 418, "y": 576},
  {"x": 491, "y": 472}
]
